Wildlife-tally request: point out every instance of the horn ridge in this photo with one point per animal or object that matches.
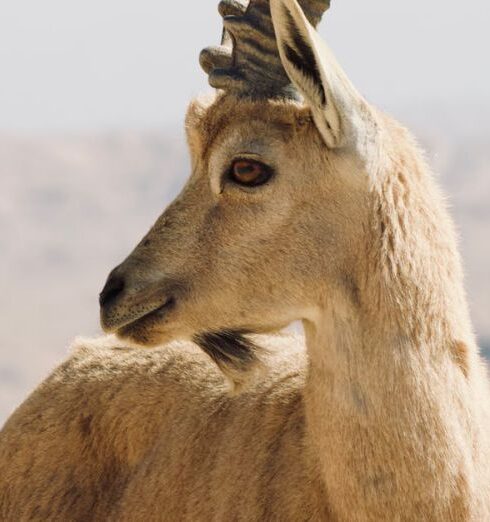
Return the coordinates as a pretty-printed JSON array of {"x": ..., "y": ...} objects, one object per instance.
[
  {"x": 247, "y": 63},
  {"x": 232, "y": 8}
]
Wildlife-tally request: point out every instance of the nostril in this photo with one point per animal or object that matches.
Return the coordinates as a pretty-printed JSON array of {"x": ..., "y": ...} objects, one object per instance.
[{"x": 112, "y": 289}]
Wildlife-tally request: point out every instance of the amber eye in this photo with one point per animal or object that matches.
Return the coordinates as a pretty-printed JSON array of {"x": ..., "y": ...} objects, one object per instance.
[{"x": 250, "y": 173}]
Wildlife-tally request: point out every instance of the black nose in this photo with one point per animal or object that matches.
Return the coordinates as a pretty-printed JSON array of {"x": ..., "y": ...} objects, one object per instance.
[{"x": 112, "y": 289}]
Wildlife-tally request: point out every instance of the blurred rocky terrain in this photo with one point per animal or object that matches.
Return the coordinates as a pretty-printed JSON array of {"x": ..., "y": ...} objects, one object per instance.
[{"x": 73, "y": 206}]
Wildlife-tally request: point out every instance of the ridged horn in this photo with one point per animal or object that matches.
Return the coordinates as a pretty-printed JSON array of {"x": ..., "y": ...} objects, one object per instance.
[{"x": 247, "y": 62}]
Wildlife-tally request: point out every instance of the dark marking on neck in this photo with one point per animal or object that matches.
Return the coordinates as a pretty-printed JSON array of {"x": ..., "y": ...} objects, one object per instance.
[
  {"x": 460, "y": 356},
  {"x": 229, "y": 348},
  {"x": 351, "y": 288}
]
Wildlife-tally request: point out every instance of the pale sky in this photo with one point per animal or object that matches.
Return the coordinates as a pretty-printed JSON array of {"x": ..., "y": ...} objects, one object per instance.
[{"x": 109, "y": 64}]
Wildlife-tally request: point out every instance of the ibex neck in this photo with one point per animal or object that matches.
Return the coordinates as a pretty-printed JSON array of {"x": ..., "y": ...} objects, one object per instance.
[{"x": 389, "y": 419}]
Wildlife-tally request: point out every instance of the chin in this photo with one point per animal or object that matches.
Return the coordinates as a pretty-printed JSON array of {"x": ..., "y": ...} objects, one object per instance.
[
  {"x": 151, "y": 330},
  {"x": 148, "y": 336}
]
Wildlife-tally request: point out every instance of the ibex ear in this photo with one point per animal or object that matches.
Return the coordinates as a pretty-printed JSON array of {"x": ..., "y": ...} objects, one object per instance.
[{"x": 337, "y": 108}]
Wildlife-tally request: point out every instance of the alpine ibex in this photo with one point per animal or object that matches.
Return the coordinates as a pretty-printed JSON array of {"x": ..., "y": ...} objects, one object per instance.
[{"x": 304, "y": 203}]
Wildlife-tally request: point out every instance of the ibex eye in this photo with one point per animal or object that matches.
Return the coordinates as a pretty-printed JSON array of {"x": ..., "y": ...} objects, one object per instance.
[{"x": 250, "y": 173}]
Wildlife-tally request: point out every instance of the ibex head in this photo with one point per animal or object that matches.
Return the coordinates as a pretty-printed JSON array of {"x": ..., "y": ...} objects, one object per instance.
[{"x": 275, "y": 214}]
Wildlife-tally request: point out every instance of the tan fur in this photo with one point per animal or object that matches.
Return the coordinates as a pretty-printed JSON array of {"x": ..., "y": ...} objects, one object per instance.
[
  {"x": 388, "y": 416},
  {"x": 118, "y": 434}
]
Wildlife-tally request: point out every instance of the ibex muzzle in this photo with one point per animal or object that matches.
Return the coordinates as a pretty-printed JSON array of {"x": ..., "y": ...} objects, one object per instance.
[{"x": 122, "y": 304}]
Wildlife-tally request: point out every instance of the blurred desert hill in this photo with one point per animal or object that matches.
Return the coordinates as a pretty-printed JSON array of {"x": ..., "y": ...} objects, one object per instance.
[{"x": 73, "y": 206}]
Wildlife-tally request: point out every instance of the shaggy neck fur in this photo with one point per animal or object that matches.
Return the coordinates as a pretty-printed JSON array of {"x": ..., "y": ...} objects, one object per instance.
[{"x": 394, "y": 375}]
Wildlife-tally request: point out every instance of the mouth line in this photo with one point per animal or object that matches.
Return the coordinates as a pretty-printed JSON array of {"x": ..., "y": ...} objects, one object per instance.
[{"x": 157, "y": 313}]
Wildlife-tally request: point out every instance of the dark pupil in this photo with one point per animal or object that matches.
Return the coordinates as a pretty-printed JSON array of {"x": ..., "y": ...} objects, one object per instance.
[
  {"x": 250, "y": 173},
  {"x": 245, "y": 169}
]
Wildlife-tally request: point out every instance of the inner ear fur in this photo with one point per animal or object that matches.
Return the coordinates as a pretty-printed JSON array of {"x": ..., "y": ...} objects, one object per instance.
[{"x": 340, "y": 113}]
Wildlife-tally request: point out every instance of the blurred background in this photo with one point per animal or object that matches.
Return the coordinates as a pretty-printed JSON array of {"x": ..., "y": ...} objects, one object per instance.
[{"x": 92, "y": 100}]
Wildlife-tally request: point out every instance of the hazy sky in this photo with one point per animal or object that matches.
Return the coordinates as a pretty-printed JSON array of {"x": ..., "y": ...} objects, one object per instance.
[{"x": 98, "y": 64}]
